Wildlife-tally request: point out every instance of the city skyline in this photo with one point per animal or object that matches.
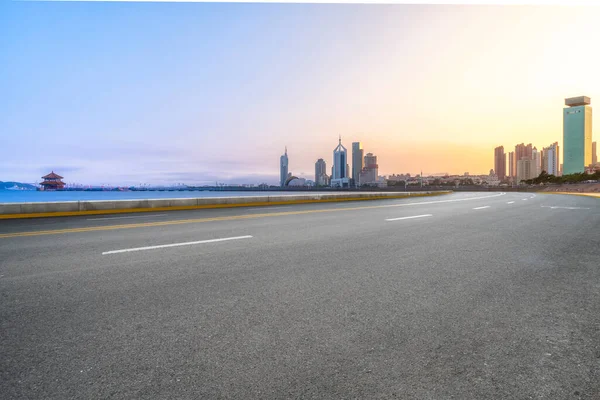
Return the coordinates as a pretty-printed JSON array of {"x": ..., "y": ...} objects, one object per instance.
[{"x": 199, "y": 93}]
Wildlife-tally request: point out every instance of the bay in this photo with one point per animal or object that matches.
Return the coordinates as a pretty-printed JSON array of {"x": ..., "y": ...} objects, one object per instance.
[{"x": 33, "y": 196}]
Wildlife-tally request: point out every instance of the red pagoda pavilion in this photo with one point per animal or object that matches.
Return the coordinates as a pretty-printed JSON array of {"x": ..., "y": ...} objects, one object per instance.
[{"x": 52, "y": 181}]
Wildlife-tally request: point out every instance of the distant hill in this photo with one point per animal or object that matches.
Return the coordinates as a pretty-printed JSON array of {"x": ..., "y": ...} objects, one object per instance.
[{"x": 11, "y": 185}]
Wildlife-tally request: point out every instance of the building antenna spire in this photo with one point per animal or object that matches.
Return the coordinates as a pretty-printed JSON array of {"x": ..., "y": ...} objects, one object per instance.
[
  {"x": 340, "y": 142},
  {"x": 286, "y": 150}
]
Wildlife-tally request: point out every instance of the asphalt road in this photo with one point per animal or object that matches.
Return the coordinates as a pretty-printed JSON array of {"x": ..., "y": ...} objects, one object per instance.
[{"x": 475, "y": 296}]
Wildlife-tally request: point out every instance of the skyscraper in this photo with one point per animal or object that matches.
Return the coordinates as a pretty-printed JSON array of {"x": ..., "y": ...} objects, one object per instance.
[
  {"x": 320, "y": 172},
  {"x": 500, "y": 162},
  {"x": 525, "y": 169},
  {"x": 283, "y": 168},
  {"x": 577, "y": 134},
  {"x": 512, "y": 167},
  {"x": 357, "y": 161},
  {"x": 340, "y": 166},
  {"x": 551, "y": 159},
  {"x": 536, "y": 168},
  {"x": 544, "y": 164},
  {"x": 369, "y": 173},
  {"x": 594, "y": 153},
  {"x": 523, "y": 151}
]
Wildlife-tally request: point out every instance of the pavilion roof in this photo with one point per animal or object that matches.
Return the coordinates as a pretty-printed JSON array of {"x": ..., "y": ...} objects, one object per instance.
[{"x": 52, "y": 175}]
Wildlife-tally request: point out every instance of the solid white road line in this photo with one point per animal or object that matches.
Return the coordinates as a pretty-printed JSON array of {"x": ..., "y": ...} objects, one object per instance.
[
  {"x": 175, "y": 245},
  {"x": 510, "y": 202},
  {"x": 414, "y": 216},
  {"x": 132, "y": 216},
  {"x": 481, "y": 208}
]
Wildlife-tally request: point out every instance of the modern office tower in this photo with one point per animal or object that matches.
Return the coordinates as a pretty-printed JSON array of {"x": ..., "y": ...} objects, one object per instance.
[
  {"x": 320, "y": 172},
  {"x": 357, "y": 161},
  {"x": 283, "y": 168},
  {"x": 340, "y": 167},
  {"x": 500, "y": 162},
  {"x": 594, "y": 153},
  {"x": 551, "y": 159},
  {"x": 525, "y": 169},
  {"x": 577, "y": 134},
  {"x": 512, "y": 167},
  {"x": 369, "y": 173}
]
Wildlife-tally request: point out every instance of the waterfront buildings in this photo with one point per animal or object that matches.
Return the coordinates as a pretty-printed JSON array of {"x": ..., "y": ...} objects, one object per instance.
[
  {"x": 594, "y": 154},
  {"x": 339, "y": 173},
  {"x": 500, "y": 162},
  {"x": 283, "y": 168},
  {"x": 551, "y": 159},
  {"x": 512, "y": 168},
  {"x": 577, "y": 134},
  {"x": 357, "y": 162}
]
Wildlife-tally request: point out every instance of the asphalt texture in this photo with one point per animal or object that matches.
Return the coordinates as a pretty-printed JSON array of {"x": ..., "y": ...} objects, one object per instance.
[{"x": 323, "y": 301}]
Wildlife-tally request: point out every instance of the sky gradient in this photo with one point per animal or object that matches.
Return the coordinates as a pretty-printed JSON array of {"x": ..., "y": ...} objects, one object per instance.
[{"x": 129, "y": 93}]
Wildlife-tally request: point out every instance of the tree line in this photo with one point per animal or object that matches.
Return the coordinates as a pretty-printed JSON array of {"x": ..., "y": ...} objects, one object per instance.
[{"x": 545, "y": 178}]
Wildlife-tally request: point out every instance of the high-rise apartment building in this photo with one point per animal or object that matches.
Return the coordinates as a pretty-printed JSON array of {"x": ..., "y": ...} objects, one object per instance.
[
  {"x": 321, "y": 172},
  {"x": 594, "y": 153},
  {"x": 544, "y": 155},
  {"x": 525, "y": 169},
  {"x": 521, "y": 151},
  {"x": 512, "y": 168},
  {"x": 551, "y": 159},
  {"x": 357, "y": 161},
  {"x": 577, "y": 134},
  {"x": 283, "y": 168},
  {"x": 339, "y": 176},
  {"x": 536, "y": 157},
  {"x": 500, "y": 162},
  {"x": 370, "y": 171}
]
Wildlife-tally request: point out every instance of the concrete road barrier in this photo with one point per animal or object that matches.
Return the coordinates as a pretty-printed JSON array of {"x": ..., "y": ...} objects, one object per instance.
[{"x": 69, "y": 208}]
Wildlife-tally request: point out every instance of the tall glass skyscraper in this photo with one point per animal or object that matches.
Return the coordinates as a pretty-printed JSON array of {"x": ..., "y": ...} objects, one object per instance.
[
  {"x": 577, "y": 134},
  {"x": 340, "y": 166},
  {"x": 340, "y": 159},
  {"x": 283, "y": 168}
]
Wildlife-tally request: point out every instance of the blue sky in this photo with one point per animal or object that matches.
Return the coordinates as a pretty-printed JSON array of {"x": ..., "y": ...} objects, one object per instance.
[
  {"x": 125, "y": 93},
  {"x": 157, "y": 92}
]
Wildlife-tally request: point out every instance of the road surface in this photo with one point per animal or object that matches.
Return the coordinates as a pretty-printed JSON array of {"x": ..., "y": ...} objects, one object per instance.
[{"x": 466, "y": 296}]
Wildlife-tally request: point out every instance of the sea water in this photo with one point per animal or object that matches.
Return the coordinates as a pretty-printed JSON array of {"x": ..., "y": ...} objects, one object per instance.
[{"x": 33, "y": 196}]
